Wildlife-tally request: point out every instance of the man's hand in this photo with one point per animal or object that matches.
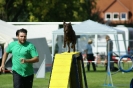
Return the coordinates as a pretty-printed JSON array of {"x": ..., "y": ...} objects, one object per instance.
[
  {"x": 2, "y": 69},
  {"x": 22, "y": 60}
]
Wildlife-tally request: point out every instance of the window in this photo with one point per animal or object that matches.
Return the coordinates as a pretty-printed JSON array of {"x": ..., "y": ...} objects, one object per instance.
[
  {"x": 123, "y": 16},
  {"x": 108, "y": 16},
  {"x": 115, "y": 16}
]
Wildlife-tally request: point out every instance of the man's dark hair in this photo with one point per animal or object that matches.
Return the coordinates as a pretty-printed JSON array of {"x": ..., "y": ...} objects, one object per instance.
[{"x": 21, "y": 30}]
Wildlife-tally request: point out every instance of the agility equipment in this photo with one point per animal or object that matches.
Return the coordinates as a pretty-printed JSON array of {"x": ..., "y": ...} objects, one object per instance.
[
  {"x": 120, "y": 64},
  {"x": 128, "y": 70},
  {"x": 108, "y": 80},
  {"x": 67, "y": 71}
]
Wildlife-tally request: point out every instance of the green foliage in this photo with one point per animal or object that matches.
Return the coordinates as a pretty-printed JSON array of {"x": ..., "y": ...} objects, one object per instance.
[
  {"x": 48, "y": 10},
  {"x": 2, "y": 11}
]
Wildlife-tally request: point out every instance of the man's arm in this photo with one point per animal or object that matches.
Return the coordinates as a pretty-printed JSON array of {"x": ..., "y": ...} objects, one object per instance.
[
  {"x": 2, "y": 67},
  {"x": 32, "y": 60}
]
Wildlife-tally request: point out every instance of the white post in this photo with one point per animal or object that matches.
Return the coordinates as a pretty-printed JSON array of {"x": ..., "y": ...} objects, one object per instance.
[{"x": 96, "y": 48}]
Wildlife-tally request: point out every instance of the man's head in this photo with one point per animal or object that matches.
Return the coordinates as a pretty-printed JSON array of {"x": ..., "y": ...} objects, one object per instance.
[
  {"x": 21, "y": 35},
  {"x": 107, "y": 37}
]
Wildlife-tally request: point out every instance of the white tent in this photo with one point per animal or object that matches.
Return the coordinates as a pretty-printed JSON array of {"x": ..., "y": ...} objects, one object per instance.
[
  {"x": 90, "y": 27},
  {"x": 8, "y": 34},
  {"x": 7, "y": 29},
  {"x": 5, "y": 39}
]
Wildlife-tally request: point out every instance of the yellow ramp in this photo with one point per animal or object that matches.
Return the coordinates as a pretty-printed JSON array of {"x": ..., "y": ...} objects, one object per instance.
[{"x": 61, "y": 70}]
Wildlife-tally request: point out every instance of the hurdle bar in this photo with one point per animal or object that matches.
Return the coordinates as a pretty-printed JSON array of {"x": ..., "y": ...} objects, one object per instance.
[{"x": 110, "y": 61}]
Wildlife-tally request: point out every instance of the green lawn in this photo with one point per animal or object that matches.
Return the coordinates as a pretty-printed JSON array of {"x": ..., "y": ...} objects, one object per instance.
[{"x": 94, "y": 79}]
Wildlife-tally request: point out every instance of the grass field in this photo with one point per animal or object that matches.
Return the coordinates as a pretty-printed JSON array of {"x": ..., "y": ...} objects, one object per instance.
[{"x": 94, "y": 79}]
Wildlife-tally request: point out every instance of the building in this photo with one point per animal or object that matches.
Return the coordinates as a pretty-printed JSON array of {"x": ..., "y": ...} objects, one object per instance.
[{"x": 115, "y": 11}]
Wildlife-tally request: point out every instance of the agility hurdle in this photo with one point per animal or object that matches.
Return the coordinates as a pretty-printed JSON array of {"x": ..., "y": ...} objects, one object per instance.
[{"x": 67, "y": 71}]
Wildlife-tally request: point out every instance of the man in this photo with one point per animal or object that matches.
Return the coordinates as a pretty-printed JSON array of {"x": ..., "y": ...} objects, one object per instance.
[
  {"x": 109, "y": 50},
  {"x": 24, "y": 54}
]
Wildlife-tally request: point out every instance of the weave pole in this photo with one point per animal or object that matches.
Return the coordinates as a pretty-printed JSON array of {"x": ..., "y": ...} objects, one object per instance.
[{"x": 108, "y": 80}]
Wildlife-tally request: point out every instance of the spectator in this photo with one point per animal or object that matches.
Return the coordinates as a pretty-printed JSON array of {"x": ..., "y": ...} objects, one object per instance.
[
  {"x": 90, "y": 56},
  {"x": 109, "y": 48}
]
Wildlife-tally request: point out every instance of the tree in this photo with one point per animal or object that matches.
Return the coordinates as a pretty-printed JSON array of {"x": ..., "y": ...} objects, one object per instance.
[
  {"x": 2, "y": 11},
  {"x": 47, "y": 10}
]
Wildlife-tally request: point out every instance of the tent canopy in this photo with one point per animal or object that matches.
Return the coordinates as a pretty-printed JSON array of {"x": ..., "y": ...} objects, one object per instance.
[
  {"x": 6, "y": 33},
  {"x": 88, "y": 27},
  {"x": 7, "y": 29},
  {"x": 4, "y": 39}
]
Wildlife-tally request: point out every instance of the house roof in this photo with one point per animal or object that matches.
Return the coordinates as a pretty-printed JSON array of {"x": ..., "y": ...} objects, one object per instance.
[
  {"x": 126, "y": 4},
  {"x": 104, "y": 5},
  {"x": 119, "y": 2}
]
